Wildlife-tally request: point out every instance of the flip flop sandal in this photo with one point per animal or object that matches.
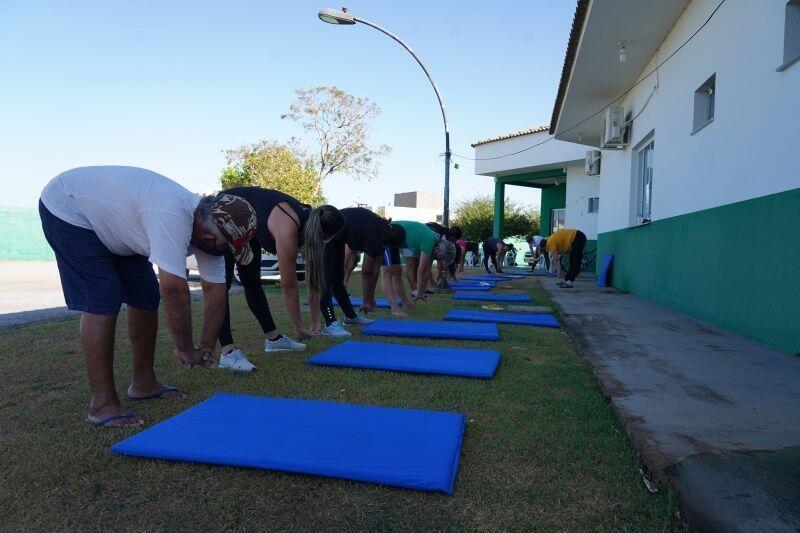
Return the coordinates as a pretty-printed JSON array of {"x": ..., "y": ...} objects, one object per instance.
[
  {"x": 158, "y": 394},
  {"x": 105, "y": 421}
]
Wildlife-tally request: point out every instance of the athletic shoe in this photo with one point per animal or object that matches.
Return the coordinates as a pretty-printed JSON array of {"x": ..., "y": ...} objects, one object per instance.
[
  {"x": 567, "y": 285},
  {"x": 414, "y": 293},
  {"x": 236, "y": 360},
  {"x": 335, "y": 330},
  {"x": 358, "y": 321},
  {"x": 283, "y": 344}
]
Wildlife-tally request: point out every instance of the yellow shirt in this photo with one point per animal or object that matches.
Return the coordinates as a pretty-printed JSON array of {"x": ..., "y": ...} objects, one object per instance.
[{"x": 560, "y": 242}]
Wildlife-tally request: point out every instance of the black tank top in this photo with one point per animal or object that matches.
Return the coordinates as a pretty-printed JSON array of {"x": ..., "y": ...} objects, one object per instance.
[{"x": 263, "y": 202}]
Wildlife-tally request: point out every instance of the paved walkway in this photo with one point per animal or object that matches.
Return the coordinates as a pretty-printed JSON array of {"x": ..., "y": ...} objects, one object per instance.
[
  {"x": 30, "y": 291},
  {"x": 714, "y": 413}
]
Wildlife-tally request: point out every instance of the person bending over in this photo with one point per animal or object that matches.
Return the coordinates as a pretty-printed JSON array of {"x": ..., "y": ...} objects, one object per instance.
[
  {"x": 533, "y": 242},
  {"x": 351, "y": 261},
  {"x": 452, "y": 234},
  {"x": 494, "y": 249},
  {"x": 284, "y": 224},
  {"x": 107, "y": 227},
  {"x": 366, "y": 232},
  {"x": 392, "y": 280},
  {"x": 462, "y": 253},
  {"x": 420, "y": 248},
  {"x": 563, "y": 241}
]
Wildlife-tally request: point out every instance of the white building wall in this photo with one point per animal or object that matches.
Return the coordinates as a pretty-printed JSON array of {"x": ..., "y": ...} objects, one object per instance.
[
  {"x": 580, "y": 188},
  {"x": 748, "y": 151},
  {"x": 412, "y": 213},
  {"x": 541, "y": 157}
]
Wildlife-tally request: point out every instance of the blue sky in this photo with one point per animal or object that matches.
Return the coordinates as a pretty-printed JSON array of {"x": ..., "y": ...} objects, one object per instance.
[{"x": 169, "y": 85}]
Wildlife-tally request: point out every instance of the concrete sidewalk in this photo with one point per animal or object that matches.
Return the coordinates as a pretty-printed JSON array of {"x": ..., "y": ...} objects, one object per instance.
[
  {"x": 714, "y": 413},
  {"x": 30, "y": 291}
]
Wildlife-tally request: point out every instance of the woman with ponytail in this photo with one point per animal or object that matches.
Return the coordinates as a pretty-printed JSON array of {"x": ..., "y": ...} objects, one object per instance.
[
  {"x": 367, "y": 232},
  {"x": 283, "y": 226}
]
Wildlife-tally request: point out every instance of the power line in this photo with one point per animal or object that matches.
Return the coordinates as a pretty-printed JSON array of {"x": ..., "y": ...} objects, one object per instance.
[{"x": 621, "y": 96}]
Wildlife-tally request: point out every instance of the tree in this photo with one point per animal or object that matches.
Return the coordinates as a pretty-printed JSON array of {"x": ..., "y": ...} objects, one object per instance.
[
  {"x": 273, "y": 166},
  {"x": 338, "y": 122},
  {"x": 476, "y": 216}
]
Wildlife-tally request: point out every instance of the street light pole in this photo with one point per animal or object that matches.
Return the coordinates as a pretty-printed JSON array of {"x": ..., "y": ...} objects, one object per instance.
[{"x": 343, "y": 17}]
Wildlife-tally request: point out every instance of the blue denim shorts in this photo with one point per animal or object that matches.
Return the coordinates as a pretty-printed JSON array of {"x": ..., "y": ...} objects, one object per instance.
[
  {"x": 391, "y": 256},
  {"x": 93, "y": 279}
]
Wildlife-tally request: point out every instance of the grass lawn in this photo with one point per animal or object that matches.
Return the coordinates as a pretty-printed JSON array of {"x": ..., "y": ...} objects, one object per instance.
[{"x": 542, "y": 449}]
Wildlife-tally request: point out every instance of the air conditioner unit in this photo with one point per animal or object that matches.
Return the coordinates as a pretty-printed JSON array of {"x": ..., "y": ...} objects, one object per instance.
[
  {"x": 593, "y": 162},
  {"x": 613, "y": 128}
]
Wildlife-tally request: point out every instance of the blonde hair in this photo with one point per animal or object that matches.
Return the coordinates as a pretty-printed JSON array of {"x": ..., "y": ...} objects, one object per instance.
[{"x": 323, "y": 222}]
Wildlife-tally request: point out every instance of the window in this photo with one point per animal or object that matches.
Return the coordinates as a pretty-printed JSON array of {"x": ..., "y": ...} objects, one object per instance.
[
  {"x": 644, "y": 174},
  {"x": 704, "y": 98},
  {"x": 791, "y": 35},
  {"x": 557, "y": 219},
  {"x": 594, "y": 205}
]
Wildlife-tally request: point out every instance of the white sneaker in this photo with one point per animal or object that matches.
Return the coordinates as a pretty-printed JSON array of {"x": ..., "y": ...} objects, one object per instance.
[
  {"x": 335, "y": 330},
  {"x": 358, "y": 321},
  {"x": 414, "y": 293},
  {"x": 283, "y": 344},
  {"x": 236, "y": 360},
  {"x": 567, "y": 285}
]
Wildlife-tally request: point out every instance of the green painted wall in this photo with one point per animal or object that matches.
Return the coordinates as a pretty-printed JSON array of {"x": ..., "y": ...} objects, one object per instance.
[
  {"x": 21, "y": 234},
  {"x": 553, "y": 197},
  {"x": 736, "y": 266}
]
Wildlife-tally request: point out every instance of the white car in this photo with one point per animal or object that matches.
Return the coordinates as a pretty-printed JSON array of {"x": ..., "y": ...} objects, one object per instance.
[{"x": 269, "y": 267}]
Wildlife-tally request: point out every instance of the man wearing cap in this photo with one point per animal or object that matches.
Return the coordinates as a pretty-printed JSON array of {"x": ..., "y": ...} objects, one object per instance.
[{"x": 107, "y": 227}]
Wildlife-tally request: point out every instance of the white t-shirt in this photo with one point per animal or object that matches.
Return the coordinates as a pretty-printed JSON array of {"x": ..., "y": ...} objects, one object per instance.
[{"x": 133, "y": 211}]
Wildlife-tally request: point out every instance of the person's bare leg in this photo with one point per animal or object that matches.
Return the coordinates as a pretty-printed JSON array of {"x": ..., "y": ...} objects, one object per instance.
[
  {"x": 142, "y": 331},
  {"x": 97, "y": 338},
  {"x": 388, "y": 287},
  {"x": 399, "y": 287},
  {"x": 412, "y": 263}
]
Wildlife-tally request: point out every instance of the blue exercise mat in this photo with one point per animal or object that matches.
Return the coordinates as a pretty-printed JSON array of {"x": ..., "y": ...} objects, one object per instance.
[
  {"x": 521, "y": 319},
  {"x": 436, "y": 330},
  {"x": 382, "y": 303},
  {"x": 356, "y": 302},
  {"x": 410, "y": 358},
  {"x": 604, "y": 279},
  {"x": 481, "y": 283},
  {"x": 519, "y": 297},
  {"x": 467, "y": 287},
  {"x": 401, "y": 447},
  {"x": 487, "y": 277}
]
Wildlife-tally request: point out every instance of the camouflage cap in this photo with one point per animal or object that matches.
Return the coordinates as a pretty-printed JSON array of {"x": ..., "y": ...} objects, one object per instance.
[{"x": 236, "y": 220}]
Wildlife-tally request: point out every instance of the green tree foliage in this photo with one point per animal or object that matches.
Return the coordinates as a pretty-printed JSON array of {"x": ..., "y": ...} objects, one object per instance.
[
  {"x": 476, "y": 216},
  {"x": 273, "y": 166},
  {"x": 338, "y": 123}
]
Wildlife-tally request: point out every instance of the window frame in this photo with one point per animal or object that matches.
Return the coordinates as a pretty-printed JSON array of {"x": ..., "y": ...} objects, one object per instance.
[
  {"x": 791, "y": 35},
  {"x": 647, "y": 146},
  {"x": 705, "y": 99},
  {"x": 554, "y": 227},
  {"x": 593, "y": 201}
]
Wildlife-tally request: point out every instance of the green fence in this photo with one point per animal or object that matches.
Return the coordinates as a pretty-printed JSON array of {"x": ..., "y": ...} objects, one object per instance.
[{"x": 21, "y": 235}]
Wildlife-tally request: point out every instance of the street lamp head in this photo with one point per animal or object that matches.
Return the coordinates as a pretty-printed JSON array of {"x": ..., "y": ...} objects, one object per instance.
[{"x": 334, "y": 16}]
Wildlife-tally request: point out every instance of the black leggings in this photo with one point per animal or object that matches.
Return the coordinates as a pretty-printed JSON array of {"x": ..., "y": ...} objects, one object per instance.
[
  {"x": 250, "y": 276},
  {"x": 489, "y": 252},
  {"x": 334, "y": 284},
  {"x": 576, "y": 256}
]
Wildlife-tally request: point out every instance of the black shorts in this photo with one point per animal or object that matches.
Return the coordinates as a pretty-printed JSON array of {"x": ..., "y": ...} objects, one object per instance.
[
  {"x": 391, "y": 256},
  {"x": 373, "y": 245}
]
